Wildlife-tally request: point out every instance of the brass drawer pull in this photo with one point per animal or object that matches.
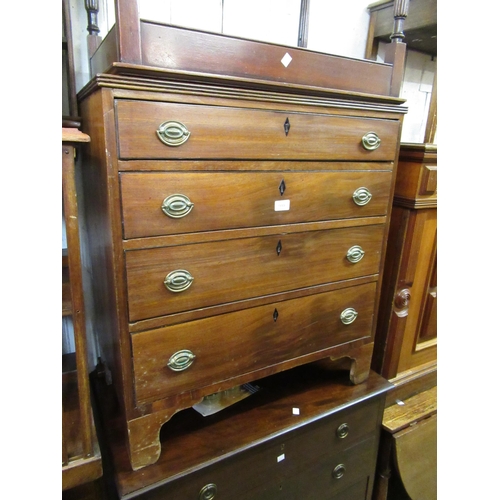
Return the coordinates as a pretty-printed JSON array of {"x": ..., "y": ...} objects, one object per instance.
[
  {"x": 181, "y": 360},
  {"x": 178, "y": 280},
  {"x": 339, "y": 471},
  {"x": 342, "y": 431},
  {"x": 208, "y": 492},
  {"x": 348, "y": 316},
  {"x": 371, "y": 141},
  {"x": 173, "y": 133},
  {"x": 361, "y": 196},
  {"x": 355, "y": 254},
  {"x": 177, "y": 206}
]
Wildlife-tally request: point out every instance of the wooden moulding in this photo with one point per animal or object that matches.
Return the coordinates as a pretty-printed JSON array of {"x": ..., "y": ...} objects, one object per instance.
[
  {"x": 183, "y": 54},
  {"x": 416, "y": 182}
]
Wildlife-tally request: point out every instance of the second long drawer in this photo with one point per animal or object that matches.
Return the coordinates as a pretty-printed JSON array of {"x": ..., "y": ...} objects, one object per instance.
[
  {"x": 169, "y": 280},
  {"x": 201, "y": 353},
  {"x": 177, "y": 202}
]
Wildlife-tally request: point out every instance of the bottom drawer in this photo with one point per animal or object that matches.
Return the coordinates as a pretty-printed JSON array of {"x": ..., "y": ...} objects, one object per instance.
[{"x": 201, "y": 353}]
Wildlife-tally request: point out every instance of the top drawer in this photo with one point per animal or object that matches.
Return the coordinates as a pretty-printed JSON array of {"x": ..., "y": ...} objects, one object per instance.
[{"x": 156, "y": 130}]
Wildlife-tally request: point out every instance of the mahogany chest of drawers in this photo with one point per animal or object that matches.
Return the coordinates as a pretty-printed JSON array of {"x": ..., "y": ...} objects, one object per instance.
[{"x": 237, "y": 229}]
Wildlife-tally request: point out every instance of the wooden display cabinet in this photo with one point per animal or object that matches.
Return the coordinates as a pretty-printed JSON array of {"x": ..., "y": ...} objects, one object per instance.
[
  {"x": 81, "y": 458},
  {"x": 406, "y": 340}
]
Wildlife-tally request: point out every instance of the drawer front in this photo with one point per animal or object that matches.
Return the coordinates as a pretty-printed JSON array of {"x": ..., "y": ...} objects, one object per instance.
[
  {"x": 170, "y": 203},
  {"x": 200, "y": 353},
  {"x": 335, "y": 475},
  {"x": 285, "y": 467},
  {"x": 168, "y": 280},
  {"x": 158, "y": 130}
]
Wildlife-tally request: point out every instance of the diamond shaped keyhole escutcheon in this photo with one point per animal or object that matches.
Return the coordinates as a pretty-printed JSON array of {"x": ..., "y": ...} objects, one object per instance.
[
  {"x": 279, "y": 247},
  {"x": 282, "y": 187},
  {"x": 286, "y": 126}
]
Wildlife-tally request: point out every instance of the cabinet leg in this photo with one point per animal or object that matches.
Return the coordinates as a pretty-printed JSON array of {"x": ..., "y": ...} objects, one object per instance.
[
  {"x": 361, "y": 359},
  {"x": 357, "y": 360},
  {"x": 144, "y": 444}
]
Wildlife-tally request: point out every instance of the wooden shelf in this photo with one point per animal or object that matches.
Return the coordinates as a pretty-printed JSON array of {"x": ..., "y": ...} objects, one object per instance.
[{"x": 414, "y": 409}]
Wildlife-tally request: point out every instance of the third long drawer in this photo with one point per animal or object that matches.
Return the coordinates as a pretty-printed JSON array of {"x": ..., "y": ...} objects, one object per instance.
[{"x": 168, "y": 280}]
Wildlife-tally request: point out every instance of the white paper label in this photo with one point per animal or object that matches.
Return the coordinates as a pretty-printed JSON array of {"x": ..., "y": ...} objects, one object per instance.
[
  {"x": 280, "y": 458},
  {"x": 281, "y": 205},
  {"x": 287, "y": 59}
]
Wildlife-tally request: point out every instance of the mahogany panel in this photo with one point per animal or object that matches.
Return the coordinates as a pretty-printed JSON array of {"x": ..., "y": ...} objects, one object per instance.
[
  {"x": 225, "y": 133},
  {"x": 233, "y": 270},
  {"x": 248, "y": 340},
  {"x": 247, "y": 199},
  {"x": 209, "y": 53}
]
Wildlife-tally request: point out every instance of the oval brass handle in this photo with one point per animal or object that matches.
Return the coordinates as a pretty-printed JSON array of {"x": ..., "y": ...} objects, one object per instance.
[
  {"x": 208, "y": 492},
  {"x": 178, "y": 280},
  {"x": 339, "y": 471},
  {"x": 173, "y": 133},
  {"x": 181, "y": 360},
  {"x": 361, "y": 196},
  {"x": 348, "y": 316},
  {"x": 177, "y": 206},
  {"x": 371, "y": 141},
  {"x": 342, "y": 431},
  {"x": 355, "y": 254}
]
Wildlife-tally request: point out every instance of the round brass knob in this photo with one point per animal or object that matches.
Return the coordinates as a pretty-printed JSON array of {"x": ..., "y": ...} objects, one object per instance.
[
  {"x": 371, "y": 141},
  {"x": 361, "y": 196},
  {"x": 339, "y": 471},
  {"x": 348, "y": 316},
  {"x": 342, "y": 431},
  {"x": 208, "y": 492}
]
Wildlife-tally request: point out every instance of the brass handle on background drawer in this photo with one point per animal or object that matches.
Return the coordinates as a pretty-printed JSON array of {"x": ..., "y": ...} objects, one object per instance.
[
  {"x": 208, "y": 492},
  {"x": 177, "y": 206},
  {"x": 173, "y": 133},
  {"x": 339, "y": 471},
  {"x": 348, "y": 316},
  {"x": 371, "y": 141},
  {"x": 342, "y": 431},
  {"x": 178, "y": 280},
  {"x": 355, "y": 254},
  {"x": 181, "y": 360},
  {"x": 361, "y": 196}
]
